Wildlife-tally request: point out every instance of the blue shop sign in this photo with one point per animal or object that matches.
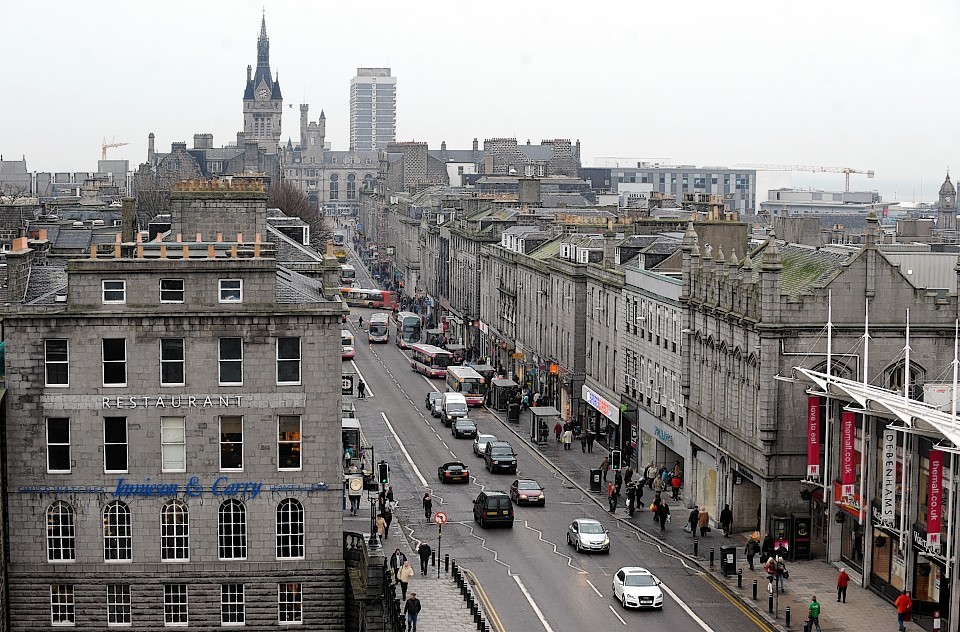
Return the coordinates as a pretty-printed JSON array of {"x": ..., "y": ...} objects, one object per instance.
[{"x": 222, "y": 486}]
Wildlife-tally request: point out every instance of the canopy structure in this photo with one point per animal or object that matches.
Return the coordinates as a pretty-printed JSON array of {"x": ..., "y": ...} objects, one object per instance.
[{"x": 907, "y": 415}]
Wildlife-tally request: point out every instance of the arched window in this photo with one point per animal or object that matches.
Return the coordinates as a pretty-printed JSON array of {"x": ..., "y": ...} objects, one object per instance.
[
  {"x": 233, "y": 531},
  {"x": 117, "y": 533},
  {"x": 352, "y": 186},
  {"x": 334, "y": 186},
  {"x": 61, "y": 533},
  {"x": 289, "y": 529},
  {"x": 175, "y": 532}
]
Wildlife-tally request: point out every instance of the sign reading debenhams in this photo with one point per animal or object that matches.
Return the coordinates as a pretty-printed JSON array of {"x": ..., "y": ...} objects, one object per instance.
[{"x": 123, "y": 402}]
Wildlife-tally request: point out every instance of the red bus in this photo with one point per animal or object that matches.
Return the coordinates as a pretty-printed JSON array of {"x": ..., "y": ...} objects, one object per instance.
[
  {"x": 429, "y": 360},
  {"x": 361, "y": 297}
]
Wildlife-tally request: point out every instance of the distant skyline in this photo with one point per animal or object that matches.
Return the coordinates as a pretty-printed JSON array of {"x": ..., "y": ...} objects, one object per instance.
[{"x": 866, "y": 85}]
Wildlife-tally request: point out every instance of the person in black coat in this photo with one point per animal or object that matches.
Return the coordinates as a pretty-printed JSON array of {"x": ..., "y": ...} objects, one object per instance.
[
  {"x": 726, "y": 520},
  {"x": 424, "y": 552},
  {"x": 766, "y": 549},
  {"x": 631, "y": 498},
  {"x": 663, "y": 512}
]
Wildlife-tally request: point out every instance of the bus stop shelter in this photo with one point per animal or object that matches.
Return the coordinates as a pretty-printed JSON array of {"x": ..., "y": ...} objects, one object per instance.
[
  {"x": 542, "y": 418},
  {"x": 503, "y": 391},
  {"x": 485, "y": 370},
  {"x": 458, "y": 352}
]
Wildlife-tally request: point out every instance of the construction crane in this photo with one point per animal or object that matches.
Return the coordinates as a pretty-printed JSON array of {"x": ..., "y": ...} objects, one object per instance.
[
  {"x": 846, "y": 171},
  {"x": 106, "y": 146}
]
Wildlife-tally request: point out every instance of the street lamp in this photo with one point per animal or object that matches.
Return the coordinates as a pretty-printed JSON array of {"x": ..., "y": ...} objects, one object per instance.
[{"x": 374, "y": 540}]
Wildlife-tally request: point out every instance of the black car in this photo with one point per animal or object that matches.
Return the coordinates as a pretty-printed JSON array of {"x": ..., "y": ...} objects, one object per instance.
[
  {"x": 431, "y": 397},
  {"x": 453, "y": 472},
  {"x": 464, "y": 428},
  {"x": 493, "y": 508},
  {"x": 500, "y": 457}
]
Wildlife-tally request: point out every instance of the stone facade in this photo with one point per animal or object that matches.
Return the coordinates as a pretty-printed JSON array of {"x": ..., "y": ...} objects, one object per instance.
[
  {"x": 213, "y": 211},
  {"x": 262, "y": 99}
]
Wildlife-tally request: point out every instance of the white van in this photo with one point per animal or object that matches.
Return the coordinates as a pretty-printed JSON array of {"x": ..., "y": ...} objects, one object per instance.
[{"x": 453, "y": 405}]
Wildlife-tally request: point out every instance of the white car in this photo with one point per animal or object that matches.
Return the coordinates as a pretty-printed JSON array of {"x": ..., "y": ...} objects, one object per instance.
[
  {"x": 636, "y": 587},
  {"x": 587, "y": 534},
  {"x": 480, "y": 443}
]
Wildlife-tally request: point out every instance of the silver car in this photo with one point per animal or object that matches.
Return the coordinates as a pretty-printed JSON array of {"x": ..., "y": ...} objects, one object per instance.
[
  {"x": 480, "y": 443},
  {"x": 587, "y": 534}
]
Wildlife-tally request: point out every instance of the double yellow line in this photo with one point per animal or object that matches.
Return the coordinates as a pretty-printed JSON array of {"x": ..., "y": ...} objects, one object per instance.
[
  {"x": 762, "y": 623},
  {"x": 492, "y": 617}
]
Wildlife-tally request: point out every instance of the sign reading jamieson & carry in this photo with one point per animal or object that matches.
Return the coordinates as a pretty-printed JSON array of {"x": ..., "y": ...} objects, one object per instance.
[{"x": 222, "y": 486}]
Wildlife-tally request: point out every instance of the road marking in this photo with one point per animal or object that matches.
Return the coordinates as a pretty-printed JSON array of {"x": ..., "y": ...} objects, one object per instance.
[
  {"x": 556, "y": 550},
  {"x": 617, "y": 615},
  {"x": 367, "y": 392},
  {"x": 492, "y": 616},
  {"x": 533, "y": 604},
  {"x": 686, "y": 608},
  {"x": 763, "y": 625},
  {"x": 599, "y": 594},
  {"x": 403, "y": 449}
]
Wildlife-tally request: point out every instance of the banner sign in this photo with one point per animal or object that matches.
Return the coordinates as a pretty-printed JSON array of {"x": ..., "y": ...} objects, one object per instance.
[
  {"x": 813, "y": 437},
  {"x": 848, "y": 472},
  {"x": 888, "y": 470},
  {"x": 935, "y": 499}
]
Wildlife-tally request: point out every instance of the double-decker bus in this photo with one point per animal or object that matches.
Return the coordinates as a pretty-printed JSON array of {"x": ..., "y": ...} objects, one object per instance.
[
  {"x": 465, "y": 380},
  {"x": 379, "y": 328},
  {"x": 362, "y": 297},
  {"x": 429, "y": 360},
  {"x": 347, "y": 349},
  {"x": 348, "y": 274},
  {"x": 408, "y": 329}
]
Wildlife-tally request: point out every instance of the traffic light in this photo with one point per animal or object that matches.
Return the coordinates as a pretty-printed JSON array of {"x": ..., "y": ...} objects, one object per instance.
[
  {"x": 615, "y": 460},
  {"x": 383, "y": 469}
]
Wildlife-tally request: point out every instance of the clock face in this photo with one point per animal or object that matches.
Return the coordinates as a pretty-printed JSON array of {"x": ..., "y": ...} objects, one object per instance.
[
  {"x": 262, "y": 94},
  {"x": 356, "y": 484}
]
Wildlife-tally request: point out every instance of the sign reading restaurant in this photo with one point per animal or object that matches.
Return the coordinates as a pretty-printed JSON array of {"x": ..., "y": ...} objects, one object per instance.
[
  {"x": 124, "y": 402},
  {"x": 194, "y": 487}
]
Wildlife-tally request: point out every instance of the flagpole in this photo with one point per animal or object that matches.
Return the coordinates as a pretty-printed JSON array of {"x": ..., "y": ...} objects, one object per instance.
[
  {"x": 827, "y": 441},
  {"x": 864, "y": 435}
]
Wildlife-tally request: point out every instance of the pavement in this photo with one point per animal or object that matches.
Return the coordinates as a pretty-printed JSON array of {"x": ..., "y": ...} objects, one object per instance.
[{"x": 863, "y": 611}]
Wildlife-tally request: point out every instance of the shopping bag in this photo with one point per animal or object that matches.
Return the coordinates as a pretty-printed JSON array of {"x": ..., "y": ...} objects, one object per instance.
[{"x": 686, "y": 528}]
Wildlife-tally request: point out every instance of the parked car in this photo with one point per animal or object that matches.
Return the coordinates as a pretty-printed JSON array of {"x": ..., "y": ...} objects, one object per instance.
[
  {"x": 437, "y": 407},
  {"x": 637, "y": 587},
  {"x": 526, "y": 491},
  {"x": 480, "y": 443},
  {"x": 499, "y": 456},
  {"x": 492, "y": 507},
  {"x": 463, "y": 428},
  {"x": 432, "y": 396},
  {"x": 453, "y": 472},
  {"x": 587, "y": 534}
]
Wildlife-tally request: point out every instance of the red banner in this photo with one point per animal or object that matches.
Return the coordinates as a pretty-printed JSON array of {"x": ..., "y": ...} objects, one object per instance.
[
  {"x": 848, "y": 468},
  {"x": 813, "y": 437},
  {"x": 935, "y": 498}
]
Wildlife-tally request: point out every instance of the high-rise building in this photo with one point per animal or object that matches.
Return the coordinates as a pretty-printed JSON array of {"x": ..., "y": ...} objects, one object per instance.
[
  {"x": 373, "y": 109},
  {"x": 262, "y": 100}
]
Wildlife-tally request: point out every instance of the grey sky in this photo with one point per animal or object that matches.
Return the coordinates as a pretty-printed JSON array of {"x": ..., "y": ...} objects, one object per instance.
[{"x": 844, "y": 83}]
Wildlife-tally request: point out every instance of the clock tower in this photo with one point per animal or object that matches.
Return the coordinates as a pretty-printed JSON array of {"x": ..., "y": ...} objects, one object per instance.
[
  {"x": 948, "y": 206},
  {"x": 262, "y": 100}
]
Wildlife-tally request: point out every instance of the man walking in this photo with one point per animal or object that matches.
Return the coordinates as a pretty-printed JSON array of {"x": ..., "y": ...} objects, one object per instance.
[
  {"x": 404, "y": 575},
  {"x": 692, "y": 520},
  {"x": 612, "y": 496},
  {"x": 663, "y": 513},
  {"x": 631, "y": 499},
  {"x": 648, "y": 474},
  {"x": 424, "y": 552},
  {"x": 412, "y": 608},
  {"x": 904, "y": 608},
  {"x": 726, "y": 520},
  {"x": 814, "y": 612},
  {"x": 842, "y": 580},
  {"x": 396, "y": 562},
  {"x": 591, "y": 437},
  {"x": 605, "y": 467},
  {"x": 618, "y": 481},
  {"x": 427, "y": 505},
  {"x": 361, "y": 387}
]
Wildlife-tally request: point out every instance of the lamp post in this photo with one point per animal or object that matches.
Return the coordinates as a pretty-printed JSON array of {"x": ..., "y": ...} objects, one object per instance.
[{"x": 374, "y": 540}]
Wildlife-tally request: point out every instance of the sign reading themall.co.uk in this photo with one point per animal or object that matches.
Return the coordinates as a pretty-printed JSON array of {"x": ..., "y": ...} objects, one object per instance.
[
  {"x": 122, "y": 402},
  {"x": 222, "y": 486}
]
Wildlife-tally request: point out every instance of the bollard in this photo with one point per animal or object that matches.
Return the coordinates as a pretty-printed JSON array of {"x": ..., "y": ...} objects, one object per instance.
[
  {"x": 696, "y": 547},
  {"x": 433, "y": 558},
  {"x": 446, "y": 562},
  {"x": 711, "y": 557},
  {"x": 754, "y": 590},
  {"x": 476, "y": 618},
  {"x": 787, "y": 616},
  {"x": 937, "y": 621},
  {"x": 770, "y": 603},
  {"x": 453, "y": 566},
  {"x": 739, "y": 578}
]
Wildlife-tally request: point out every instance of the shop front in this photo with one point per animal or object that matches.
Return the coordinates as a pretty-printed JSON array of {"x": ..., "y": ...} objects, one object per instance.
[
  {"x": 745, "y": 496},
  {"x": 704, "y": 475},
  {"x": 602, "y": 416},
  {"x": 660, "y": 443}
]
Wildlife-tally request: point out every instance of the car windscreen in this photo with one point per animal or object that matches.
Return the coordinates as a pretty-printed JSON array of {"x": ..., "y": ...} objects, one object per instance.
[
  {"x": 456, "y": 408},
  {"x": 465, "y": 423},
  {"x": 590, "y": 527},
  {"x": 501, "y": 452},
  {"x": 639, "y": 580},
  {"x": 454, "y": 468},
  {"x": 528, "y": 485},
  {"x": 486, "y": 438}
]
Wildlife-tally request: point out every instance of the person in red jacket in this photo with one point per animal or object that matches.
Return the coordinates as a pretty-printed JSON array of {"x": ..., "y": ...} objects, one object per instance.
[
  {"x": 842, "y": 580},
  {"x": 904, "y": 607}
]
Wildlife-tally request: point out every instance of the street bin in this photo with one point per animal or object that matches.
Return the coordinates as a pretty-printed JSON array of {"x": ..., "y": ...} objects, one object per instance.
[
  {"x": 513, "y": 413},
  {"x": 595, "y": 477},
  {"x": 728, "y": 560}
]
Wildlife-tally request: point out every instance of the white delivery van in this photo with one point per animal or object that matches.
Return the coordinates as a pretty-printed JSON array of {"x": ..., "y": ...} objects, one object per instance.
[{"x": 454, "y": 405}]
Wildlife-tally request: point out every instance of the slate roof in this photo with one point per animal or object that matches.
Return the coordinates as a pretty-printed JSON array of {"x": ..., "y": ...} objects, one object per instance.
[
  {"x": 293, "y": 288},
  {"x": 804, "y": 267},
  {"x": 290, "y": 250},
  {"x": 44, "y": 284},
  {"x": 456, "y": 155},
  {"x": 72, "y": 238},
  {"x": 662, "y": 247}
]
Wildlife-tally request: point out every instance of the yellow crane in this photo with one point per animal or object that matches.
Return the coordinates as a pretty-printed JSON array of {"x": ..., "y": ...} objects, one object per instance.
[
  {"x": 106, "y": 146},
  {"x": 846, "y": 171}
]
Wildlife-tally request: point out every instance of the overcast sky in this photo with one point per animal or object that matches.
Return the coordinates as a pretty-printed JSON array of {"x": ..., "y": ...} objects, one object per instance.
[{"x": 839, "y": 83}]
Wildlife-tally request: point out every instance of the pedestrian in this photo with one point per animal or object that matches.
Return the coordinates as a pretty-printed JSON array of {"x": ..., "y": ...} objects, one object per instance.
[
  {"x": 653, "y": 507},
  {"x": 404, "y": 575},
  {"x": 354, "y": 505},
  {"x": 782, "y": 573},
  {"x": 381, "y": 527},
  {"x": 618, "y": 481},
  {"x": 361, "y": 387},
  {"x": 390, "y": 493},
  {"x": 628, "y": 452},
  {"x": 658, "y": 484},
  {"x": 726, "y": 520},
  {"x": 631, "y": 499},
  {"x": 766, "y": 549},
  {"x": 605, "y": 467},
  {"x": 424, "y": 552},
  {"x": 396, "y": 562},
  {"x": 583, "y": 442},
  {"x": 703, "y": 521},
  {"x": 904, "y": 606},
  {"x": 557, "y": 429},
  {"x": 612, "y": 496},
  {"x": 663, "y": 514},
  {"x": 591, "y": 437},
  {"x": 814, "y": 612},
  {"x": 675, "y": 482},
  {"x": 388, "y": 515},
  {"x": 842, "y": 580},
  {"x": 692, "y": 520},
  {"x": 412, "y": 608},
  {"x": 536, "y": 399},
  {"x": 751, "y": 551},
  {"x": 567, "y": 439},
  {"x": 628, "y": 475},
  {"x": 427, "y": 505},
  {"x": 361, "y": 322}
]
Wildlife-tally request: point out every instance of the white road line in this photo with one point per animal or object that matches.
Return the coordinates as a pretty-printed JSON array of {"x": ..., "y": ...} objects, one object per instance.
[
  {"x": 430, "y": 382},
  {"x": 599, "y": 594},
  {"x": 368, "y": 392},
  {"x": 617, "y": 615},
  {"x": 403, "y": 449},
  {"x": 685, "y": 607},
  {"x": 533, "y": 604}
]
